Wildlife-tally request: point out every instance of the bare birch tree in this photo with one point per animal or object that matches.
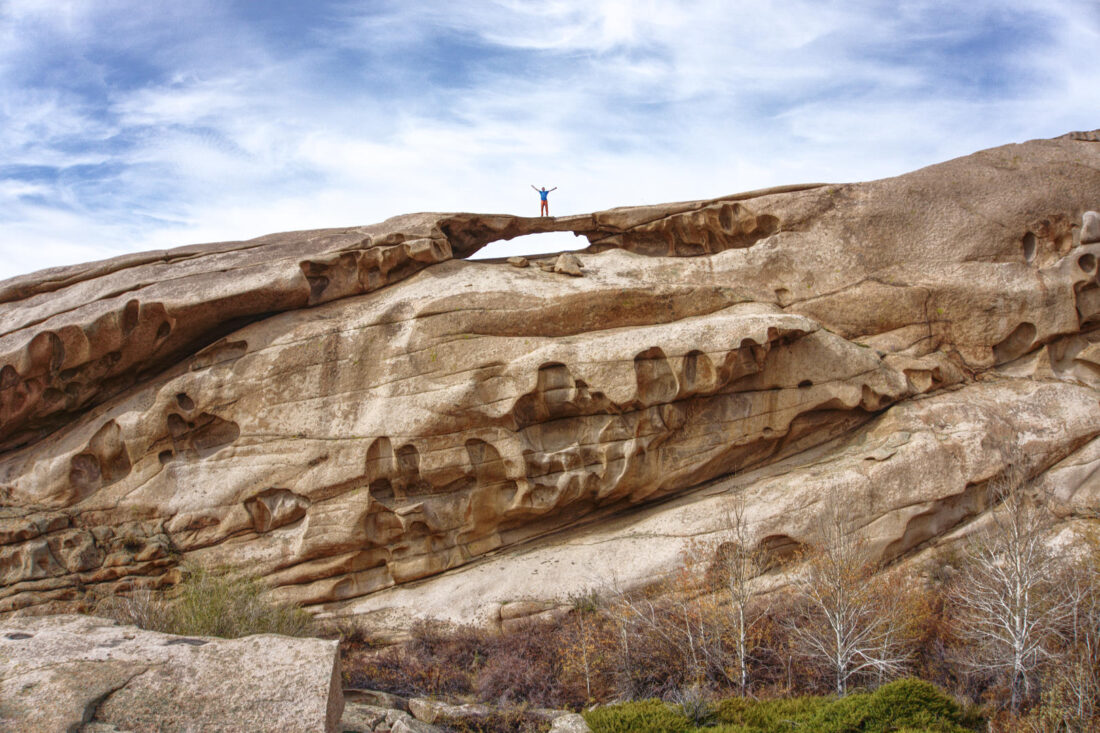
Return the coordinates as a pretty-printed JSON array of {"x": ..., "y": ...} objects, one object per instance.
[
  {"x": 1009, "y": 600},
  {"x": 1076, "y": 671},
  {"x": 848, "y": 625},
  {"x": 740, "y": 564}
]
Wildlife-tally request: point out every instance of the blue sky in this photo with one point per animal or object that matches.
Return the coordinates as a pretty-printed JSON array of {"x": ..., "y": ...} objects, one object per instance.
[{"x": 128, "y": 125}]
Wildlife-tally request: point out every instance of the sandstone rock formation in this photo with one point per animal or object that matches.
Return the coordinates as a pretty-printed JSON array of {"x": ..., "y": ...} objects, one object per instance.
[
  {"x": 376, "y": 425},
  {"x": 70, "y": 673}
]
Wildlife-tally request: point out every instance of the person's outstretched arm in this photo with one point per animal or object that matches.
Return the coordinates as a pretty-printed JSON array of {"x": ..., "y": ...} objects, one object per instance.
[
  {"x": 532, "y": 186},
  {"x": 555, "y": 188}
]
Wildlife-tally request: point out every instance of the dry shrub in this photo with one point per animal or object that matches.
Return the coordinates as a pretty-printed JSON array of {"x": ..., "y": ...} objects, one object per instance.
[
  {"x": 674, "y": 634},
  {"x": 230, "y": 605},
  {"x": 534, "y": 664},
  {"x": 143, "y": 607},
  {"x": 210, "y": 603},
  {"x": 347, "y": 630},
  {"x": 525, "y": 665},
  {"x": 656, "y": 653},
  {"x": 589, "y": 652},
  {"x": 439, "y": 659},
  {"x": 388, "y": 670}
]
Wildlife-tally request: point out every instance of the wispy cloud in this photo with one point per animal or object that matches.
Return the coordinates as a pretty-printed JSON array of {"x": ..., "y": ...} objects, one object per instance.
[{"x": 128, "y": 125}]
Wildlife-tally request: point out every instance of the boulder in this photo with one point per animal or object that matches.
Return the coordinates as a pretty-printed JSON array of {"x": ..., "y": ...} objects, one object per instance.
[
  {"x": 568, "y": 264},
  {"x": 365, "y": 718},
  {"x": 515, "y": 616},
  {"x": 569, "y": 723},
  {"x": 429, "y": 711},
  {"x": 523, "y": 609},
  {"x": 376, "y": 698},
  {"x": 87, "y": 673}
]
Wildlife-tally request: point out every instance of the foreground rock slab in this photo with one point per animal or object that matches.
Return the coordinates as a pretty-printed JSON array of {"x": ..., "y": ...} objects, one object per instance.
[{"x": 73, "y": 673}]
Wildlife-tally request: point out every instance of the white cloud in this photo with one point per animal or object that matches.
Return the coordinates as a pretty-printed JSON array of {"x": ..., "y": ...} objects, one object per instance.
[{"x": 226, "y": 131}]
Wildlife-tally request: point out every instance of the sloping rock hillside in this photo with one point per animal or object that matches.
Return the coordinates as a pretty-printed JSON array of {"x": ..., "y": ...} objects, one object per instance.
[{"x": 377, "y": 425}]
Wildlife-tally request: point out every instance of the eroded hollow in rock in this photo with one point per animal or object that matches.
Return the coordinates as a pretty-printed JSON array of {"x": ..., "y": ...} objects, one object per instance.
[
  {"x": 1016, "y": 344},
  {"x": 104, "y": 461},
  {"x": 1029, "y": 243},
  {"x": 779, "y": 549}
]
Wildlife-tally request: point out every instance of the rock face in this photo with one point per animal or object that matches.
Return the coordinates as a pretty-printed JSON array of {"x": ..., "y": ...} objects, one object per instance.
[
  {"x": 69, "y": 673},
  {"x": 348, "y": 411}
]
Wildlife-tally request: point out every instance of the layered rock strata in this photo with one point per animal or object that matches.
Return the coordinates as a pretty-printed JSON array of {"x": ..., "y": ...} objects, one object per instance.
[{"x": 376, "y": 425}]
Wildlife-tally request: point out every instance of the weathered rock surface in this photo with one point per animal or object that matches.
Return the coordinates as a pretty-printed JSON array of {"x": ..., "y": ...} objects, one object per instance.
[
  {"x": 571, "y": 723},
  {"x": 72, "y": 673},
  {"x": 365, "y": 718},
  {"x": 348, "y": 411},
  {"x": 429, "y": 711},
  {"x": 370, "y": 711}
]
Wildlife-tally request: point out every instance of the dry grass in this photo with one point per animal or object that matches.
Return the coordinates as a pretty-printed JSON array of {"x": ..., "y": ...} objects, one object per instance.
[{"x": 210, "y": 603}]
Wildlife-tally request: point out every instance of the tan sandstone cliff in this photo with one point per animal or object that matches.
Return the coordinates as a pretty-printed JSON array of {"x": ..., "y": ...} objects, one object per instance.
[{"x": 379, "y": 426}]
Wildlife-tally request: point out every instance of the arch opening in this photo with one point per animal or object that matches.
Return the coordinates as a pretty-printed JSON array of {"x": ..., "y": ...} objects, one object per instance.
[{"x": 529, "y": 245}]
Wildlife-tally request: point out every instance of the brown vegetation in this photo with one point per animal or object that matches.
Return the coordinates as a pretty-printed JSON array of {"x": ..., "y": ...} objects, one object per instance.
[{"x": 1012, "y": 623}]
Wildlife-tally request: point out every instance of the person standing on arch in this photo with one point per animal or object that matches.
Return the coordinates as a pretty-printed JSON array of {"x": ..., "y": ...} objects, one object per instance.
[{"x": 544, "y": 205}]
